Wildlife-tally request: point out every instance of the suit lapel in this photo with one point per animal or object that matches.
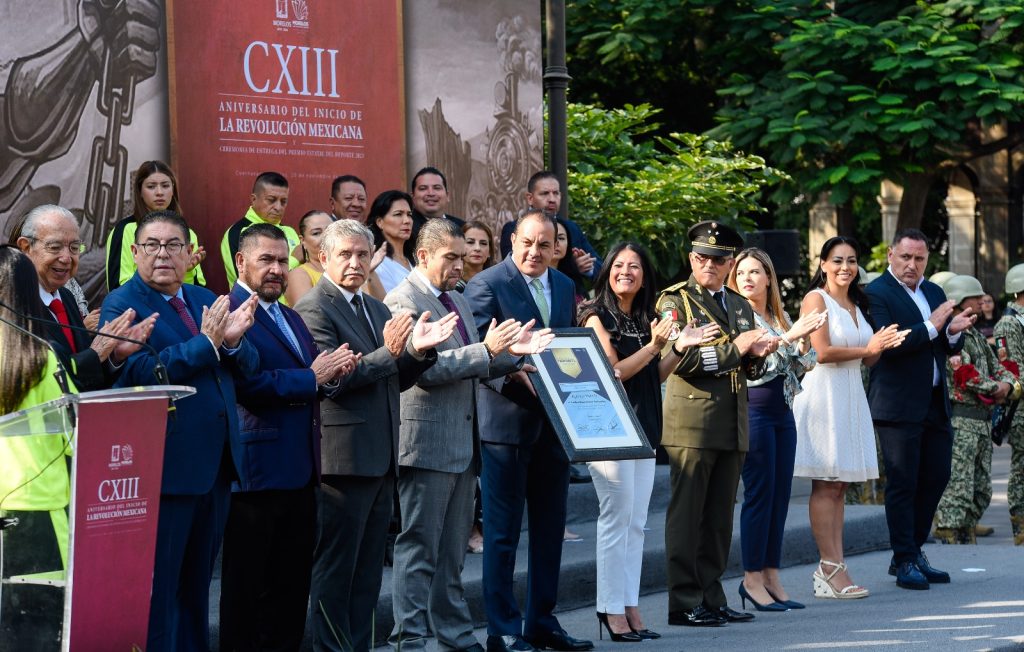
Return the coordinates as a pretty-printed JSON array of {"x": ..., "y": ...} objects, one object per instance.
[
  {"x": 905, "y": 298},
  {"x": 518, "y": 284},
  {"x": 344, "y": 308},
  {"x": 168, "y": 315},
  {"x": 434, "y": 305}
]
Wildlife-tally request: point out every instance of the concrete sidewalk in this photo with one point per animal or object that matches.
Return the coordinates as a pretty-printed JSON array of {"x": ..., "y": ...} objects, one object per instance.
[{"x": 865, "y": 532}]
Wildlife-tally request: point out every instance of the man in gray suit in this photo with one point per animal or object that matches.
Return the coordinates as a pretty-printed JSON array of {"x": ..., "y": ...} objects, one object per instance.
[
  {"x": 359, "y": 423},
  {"x": 437, "y": 445}
]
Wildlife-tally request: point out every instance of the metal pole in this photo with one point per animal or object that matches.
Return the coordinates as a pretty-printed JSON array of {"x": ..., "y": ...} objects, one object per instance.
[{"x": 556, "y": 81}]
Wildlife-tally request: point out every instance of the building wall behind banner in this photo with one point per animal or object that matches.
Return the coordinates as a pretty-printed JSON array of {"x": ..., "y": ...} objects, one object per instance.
[
  {"x": 474, "y": 101},
  {"x": 470, "y": 104}
]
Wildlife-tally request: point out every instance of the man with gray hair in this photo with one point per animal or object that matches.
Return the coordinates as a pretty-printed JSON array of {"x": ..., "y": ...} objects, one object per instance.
[
  {"x": 437, "y": 443},
  {"x": 49, "y": 237},
  {"x": 359, "y": 423}
]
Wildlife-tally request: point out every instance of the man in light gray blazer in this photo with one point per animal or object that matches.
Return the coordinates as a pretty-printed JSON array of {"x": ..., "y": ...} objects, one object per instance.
[
  {"x": 437, "y": 451},
  {"x": 359, "y": 423}
]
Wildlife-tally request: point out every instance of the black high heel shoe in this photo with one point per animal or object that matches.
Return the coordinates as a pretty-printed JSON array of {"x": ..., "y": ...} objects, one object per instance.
[
  {"x": 646, "y": 634},
  {"x": 772, "y": 606},
  {"x": 792, "y": 604},
  {"x": 625, "y": 637}
]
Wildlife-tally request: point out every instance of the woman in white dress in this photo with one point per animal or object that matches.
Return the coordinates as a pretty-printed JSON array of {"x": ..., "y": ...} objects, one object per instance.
[
  {"x": 390, "y": 220},
  {"x": 835, "y": 437}
]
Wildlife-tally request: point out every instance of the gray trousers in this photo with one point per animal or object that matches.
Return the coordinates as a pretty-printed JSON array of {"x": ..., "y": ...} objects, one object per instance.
[{"x": 437, "y": 515}]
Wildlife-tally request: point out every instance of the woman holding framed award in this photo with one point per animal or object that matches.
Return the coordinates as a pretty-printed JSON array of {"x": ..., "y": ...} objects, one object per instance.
[{"x": 622, "y": 316}]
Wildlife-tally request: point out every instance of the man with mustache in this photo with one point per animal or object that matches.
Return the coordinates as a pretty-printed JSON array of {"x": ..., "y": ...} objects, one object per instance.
[{"x": 268, "y": 541}]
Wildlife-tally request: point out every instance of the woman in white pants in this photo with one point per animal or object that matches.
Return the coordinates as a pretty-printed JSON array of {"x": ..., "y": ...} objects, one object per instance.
[{"x": 622, "y": 315}]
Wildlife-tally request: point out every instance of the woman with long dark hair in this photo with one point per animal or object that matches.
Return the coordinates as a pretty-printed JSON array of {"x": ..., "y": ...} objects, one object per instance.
[
  {"x": 836, "y": 440},
  {"x": 564, "y": 260},
  {"x": 768, "y": 466},
  {"x": 34, "y": 484},
  {"x": 622, "y": 315},
  {"x": 154, "y": 188},
  {"x": 390, "y": 220},
  {"x": 479, "y": 251}
]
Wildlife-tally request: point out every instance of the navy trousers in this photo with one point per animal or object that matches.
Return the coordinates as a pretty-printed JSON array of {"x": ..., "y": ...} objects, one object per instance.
[
  {"x": 513, "y": 477},
  {"x": 767, "y": 476},
  {"x": 917, "y": 460}
]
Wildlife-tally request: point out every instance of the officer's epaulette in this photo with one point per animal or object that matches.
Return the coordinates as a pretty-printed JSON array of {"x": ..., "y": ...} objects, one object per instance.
[{"x": 674, "y": 288}]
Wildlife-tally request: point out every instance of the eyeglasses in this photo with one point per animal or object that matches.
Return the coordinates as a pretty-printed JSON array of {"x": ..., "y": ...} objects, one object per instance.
[
  {"x": 152, "y": 248},
  {"x": 717, "y": 261},
  {"x": 75, "y": 247}
]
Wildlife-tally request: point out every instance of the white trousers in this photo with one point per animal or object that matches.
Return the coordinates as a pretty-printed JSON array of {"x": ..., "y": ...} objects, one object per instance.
[{"x": 624, "y": 494}]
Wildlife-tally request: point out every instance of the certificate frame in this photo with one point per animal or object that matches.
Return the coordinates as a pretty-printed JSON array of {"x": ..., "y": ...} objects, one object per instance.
[{"x": 571, "y": 388}]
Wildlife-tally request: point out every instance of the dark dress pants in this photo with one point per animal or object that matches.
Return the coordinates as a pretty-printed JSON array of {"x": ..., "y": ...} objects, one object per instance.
[
  {"x": 188, "y": 536},
  {"x": 767, "y": 476},
  {"x": 917, "y": 464},
  {"x": 513, "y": 476},
  {"x": 31, "y": 615},
  {"x": 698, "y": 524},
  {"x": 353, "y": 513},
  {"x": 267, "y": 561}
]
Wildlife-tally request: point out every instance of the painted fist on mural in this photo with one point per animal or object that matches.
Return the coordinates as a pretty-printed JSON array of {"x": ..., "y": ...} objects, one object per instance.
[{"x": 128, "y": 31}]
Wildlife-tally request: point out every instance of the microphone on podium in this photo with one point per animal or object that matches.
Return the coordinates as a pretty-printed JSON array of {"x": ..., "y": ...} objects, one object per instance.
[
  {"x": 158, "y": 367},
  {"x": 61, "y": 374}
]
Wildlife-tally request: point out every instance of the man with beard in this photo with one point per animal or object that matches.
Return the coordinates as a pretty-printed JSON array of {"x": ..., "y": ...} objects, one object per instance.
[{"x": 268, "y": 542}]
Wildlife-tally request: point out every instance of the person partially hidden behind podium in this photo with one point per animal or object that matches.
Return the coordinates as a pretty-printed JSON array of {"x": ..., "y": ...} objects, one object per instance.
[
  {"x": 201, "y": 343},
  {"x": 34, "y": 487}
]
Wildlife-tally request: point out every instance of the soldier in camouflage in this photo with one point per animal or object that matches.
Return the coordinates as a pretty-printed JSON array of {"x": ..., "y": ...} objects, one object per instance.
[
  {"x": 976, "y": 382},
  {"x": 1009, "y": 336}
]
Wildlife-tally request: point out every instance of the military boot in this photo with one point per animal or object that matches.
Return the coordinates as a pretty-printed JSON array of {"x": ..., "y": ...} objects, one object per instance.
[
  {"x": 983, "y": 530},
  {"x": 965, "y": 535},
  {"x": 945, "y": 535},
  {"x": 1017, "y": 521}
]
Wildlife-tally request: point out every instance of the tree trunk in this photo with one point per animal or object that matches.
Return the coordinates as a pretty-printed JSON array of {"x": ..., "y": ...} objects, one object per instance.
[{"x": 915, "y": 195}]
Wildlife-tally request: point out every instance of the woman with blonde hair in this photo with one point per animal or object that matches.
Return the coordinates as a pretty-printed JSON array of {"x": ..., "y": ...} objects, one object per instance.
[{"x": 768, "y": 468}]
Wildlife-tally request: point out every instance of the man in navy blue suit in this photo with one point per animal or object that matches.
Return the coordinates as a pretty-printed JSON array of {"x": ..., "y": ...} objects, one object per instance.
[
  {"x": 523, "y": 462},
  {"x": 910, "y": 405},
  {"x": 200, "y": 342},
  {"x": 271, "y": 528}
]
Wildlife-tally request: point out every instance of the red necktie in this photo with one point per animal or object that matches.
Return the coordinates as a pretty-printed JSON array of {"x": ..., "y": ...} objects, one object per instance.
[{"x": 57, "y": 308}]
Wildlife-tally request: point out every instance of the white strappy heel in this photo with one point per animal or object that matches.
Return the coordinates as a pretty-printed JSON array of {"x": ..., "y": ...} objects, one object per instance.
[{"x": 823, "y": 583}]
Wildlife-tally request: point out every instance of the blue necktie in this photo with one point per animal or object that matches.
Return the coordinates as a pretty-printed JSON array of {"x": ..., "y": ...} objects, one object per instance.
[{"x": 275, "y": 312}]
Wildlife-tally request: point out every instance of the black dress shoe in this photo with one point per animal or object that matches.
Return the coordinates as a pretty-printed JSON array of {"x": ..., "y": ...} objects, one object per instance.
[
  {"x": 508, "y": 643},
  {"x": 696, "y": 617},
  {"x": 909, "y": 577},
  {"x": 733, "y": 616},
  {"x": 932, "y": 574},
  {"x": 559, "y": 640}
]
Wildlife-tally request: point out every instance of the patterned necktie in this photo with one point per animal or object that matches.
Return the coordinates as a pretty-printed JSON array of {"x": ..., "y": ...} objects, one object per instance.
[
  {"x": 364, "y": 321},
  {"x": 542, "y": 302},
  {"x": 447, "y": 302},
  {"x": 275, "y": 312},
  {"x": 182, "y": 310},
  {"x": 57, "y": 308},
  {"x": 720, "y": 298}
]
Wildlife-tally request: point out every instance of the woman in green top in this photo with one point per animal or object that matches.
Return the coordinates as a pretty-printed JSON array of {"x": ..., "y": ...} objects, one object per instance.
[
  {"x": 154, "y": 188},
  {"x": 34, "y": 483}
]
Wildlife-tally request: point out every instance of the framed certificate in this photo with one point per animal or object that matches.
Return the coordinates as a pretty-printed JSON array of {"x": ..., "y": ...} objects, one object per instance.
[{"x": 586, "y": 405}]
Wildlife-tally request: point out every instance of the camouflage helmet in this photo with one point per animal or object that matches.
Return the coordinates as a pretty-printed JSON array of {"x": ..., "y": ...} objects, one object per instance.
[
  {"x": 1015, "y": 279},
  {"x": 940, "y": 278},
  {"x": 961, "y": 287}
]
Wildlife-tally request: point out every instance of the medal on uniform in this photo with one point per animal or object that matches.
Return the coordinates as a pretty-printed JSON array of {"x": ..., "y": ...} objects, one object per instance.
[{"x": 567, "y": 362}]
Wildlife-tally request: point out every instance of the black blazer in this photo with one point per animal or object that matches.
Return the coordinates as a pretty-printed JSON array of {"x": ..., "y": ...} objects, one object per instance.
[
  {"x": 84, "y": 367},
  {"x": 901, "y": 380}
]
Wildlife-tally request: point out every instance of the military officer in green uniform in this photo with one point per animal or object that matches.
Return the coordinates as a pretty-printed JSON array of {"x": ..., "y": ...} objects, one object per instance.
[
  {"x": 1009, "y": 336},
  {"x": 705, "y": 431},
  {"x": 976, "y": 382}
]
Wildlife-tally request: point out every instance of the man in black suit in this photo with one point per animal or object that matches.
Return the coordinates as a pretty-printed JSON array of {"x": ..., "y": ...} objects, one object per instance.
[
  {"x": 429, "y": 190},
  {"x": 49, "y": 237},
  {"x": 359, "y": 421},
  {"x": 523, "y": 461},
  {"x": 910, "y": 405}
]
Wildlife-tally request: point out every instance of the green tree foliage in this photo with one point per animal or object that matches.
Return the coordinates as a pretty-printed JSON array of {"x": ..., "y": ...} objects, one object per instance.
[
  {"x": 841, "y": 94},
  {"x": 630, "y": 185}
]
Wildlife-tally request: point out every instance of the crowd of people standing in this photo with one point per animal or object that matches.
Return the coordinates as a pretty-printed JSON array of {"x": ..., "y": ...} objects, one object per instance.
[{"x": 375, "y": 361}]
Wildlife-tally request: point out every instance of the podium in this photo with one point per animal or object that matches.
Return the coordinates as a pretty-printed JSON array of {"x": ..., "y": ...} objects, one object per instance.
[{"x": 78, "y": 575}]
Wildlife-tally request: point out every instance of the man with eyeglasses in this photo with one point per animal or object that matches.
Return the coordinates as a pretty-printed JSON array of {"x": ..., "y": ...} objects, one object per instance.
[
  {"x": 705, "y": 431},
  {"x": 50, "y": 238},
  {"x": 201, "y": 343}
]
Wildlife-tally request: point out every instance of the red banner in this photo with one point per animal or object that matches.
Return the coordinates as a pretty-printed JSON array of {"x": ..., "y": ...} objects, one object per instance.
[
  {"x": 119, "y": 454},
  {"x": 309, "y": 88}
]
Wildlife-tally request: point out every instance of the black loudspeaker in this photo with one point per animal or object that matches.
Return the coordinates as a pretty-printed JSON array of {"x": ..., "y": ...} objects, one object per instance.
[{"x": 782, "y": 246}]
